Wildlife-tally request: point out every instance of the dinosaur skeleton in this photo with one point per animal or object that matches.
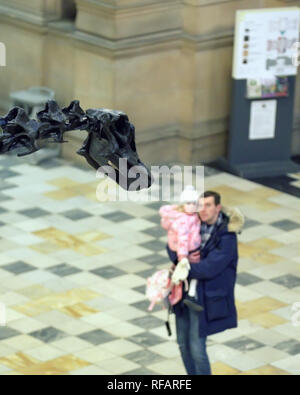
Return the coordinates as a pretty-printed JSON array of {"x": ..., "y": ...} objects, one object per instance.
[{"x": 110, "y": 140}]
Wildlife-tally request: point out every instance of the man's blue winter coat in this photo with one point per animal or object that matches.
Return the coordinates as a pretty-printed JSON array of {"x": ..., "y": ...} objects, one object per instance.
[{"x": 216, "y": 274}]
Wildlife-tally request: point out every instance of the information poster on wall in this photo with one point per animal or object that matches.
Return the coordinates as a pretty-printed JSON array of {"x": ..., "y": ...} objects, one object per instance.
[
  {"x": 266, "y": 43},
  {"x": 267, "y": 87},
  {"x": 262, "y": 119}
]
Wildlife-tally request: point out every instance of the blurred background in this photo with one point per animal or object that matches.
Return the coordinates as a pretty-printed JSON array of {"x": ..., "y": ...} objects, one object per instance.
[{"x": 167, "y": 63}]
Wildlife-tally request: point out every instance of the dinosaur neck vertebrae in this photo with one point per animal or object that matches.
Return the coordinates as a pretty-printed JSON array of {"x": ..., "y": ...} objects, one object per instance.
[{"x": 110, "y": 140}]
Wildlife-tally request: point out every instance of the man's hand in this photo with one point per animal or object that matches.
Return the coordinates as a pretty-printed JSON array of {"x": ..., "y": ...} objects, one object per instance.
[
  {"x": 171, "y": 269},
  {"x": 181, "y": 272},
  {"x": 195, "y": 256}
]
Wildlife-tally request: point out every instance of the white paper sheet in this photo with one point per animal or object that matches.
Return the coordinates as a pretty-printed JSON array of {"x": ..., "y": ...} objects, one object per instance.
[
  {"x": 263, "y": 119},
  {"x": 264, "y": 44}
]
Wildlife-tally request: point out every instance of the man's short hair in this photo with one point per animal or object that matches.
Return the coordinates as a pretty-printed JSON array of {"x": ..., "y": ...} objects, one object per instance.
[{"x": 216, "y": 195}]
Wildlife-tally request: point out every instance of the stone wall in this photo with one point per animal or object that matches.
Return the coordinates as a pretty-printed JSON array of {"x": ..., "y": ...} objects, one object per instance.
[{"x": 167, "y": 63}]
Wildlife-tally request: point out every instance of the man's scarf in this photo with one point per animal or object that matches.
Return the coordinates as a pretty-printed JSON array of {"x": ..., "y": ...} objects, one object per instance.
[{"x": 207, "y": 230}]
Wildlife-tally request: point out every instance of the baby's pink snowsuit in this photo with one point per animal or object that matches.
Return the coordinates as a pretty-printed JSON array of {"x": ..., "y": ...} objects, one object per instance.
[
  {"x": 183, "y": 231},
  {"x": 183, "y": 237}
]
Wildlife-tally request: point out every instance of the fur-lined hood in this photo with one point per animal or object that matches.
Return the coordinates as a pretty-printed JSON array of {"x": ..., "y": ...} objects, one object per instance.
[{"x": 236, "y": 219}]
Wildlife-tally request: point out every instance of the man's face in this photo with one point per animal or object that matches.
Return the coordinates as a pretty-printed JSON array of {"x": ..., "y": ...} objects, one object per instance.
[{"x": 208, "y": 210}]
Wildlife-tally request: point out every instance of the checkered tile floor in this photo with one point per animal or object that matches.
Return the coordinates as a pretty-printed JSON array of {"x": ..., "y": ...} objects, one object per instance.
[
  {"x": 289, "y": 183},
  {"x": 73, "y": 274}
]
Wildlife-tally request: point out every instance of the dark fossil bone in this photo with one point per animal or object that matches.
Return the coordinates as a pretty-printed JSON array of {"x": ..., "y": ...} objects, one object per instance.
[{"x": 111, "y": 138}]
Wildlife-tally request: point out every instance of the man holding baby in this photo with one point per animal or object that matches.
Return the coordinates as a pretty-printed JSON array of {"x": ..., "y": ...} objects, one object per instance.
[{"x": 207, "y": 307}]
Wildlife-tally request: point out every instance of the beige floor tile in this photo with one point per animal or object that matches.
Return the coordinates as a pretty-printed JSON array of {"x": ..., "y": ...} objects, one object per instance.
[
  {"x": 101, "y": 319},
  {"x": 78, "y": 310},
  {"x": 61, "y": 365},
  {"x": 289, "y": 330},
  {"x": 290, "y": 364},
  {"x": 45, "y": 353},
  {"x": 244, "y": 362},
  {"x": 125, "y": 329},
  {"x": 267, "y": 354},
  {"x": 71, "y": 344},
  {"x": 266, "y": 370},
  {"x": 118, "y": 365},
  {"x": 27, "y": 325},
  {"x": 268, "y": 320},
  {"x": 95, "y": 355},
  {"x": 167, "y": 349},
  {"x": 18, "y": 361},
  {"x": 22, "y": 342},
  {"x": 121, "y": 347},
  {"x": 6, "y": 350},
  {"x": 13, "y": 299},
  {"x": 134, "y": 266},
  {"x": 258, "y": 306},
  {"x": 168, "y": 367},
  {"x": 92, "y": 370},
  {"x": 130, "y": 280},
  {"x": 269, "y": 337},
  {"x": 244, "y": 294},
  {"x": 220, "y": 353},
  {"x": 221, "y": 369},
  {"x": 266, "y": 288}
]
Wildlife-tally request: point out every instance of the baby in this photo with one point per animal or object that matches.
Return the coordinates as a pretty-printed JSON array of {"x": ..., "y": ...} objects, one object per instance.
[{"x": 183, "y": 226}]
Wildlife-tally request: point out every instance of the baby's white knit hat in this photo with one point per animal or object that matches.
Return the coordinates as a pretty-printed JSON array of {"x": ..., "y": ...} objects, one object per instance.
[{"x": 189, "y": 195}]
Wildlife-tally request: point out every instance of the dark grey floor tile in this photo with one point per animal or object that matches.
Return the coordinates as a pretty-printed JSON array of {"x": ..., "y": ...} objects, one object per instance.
[
  {"x": 143, "y": 357},
  {"x": 118, "y": 216},
  {"x": 97, "y": 337},
  {"x": 9, "y": 161},
  {"x": 6, "y": 332},
  {"x": 18, "y": 267},
  {"x": 140, "y": 372},
  {"x": 144, "y": 304},
  {"x": 4, "y": 197},
  {"x": 64, "y": 270},
  {"x": 146, "y": 339},
  {"x": 141, "y": 289},
  {"x": 146, "y": 273},
  {"x": 49, "y": 335},
  {"x": 155, "y": 246},
  {"x": 153, "y": 218},
  {"x": 3, "y": 210},
  {"x": 6, "y": 173},
  {"x": 156, "y": 231},
  {"x": 156, "y": 205},
  {"x": 288, "y": 281},
  {"x": 244, "y": 344},
  {"x": 247, "y": 279},
  {"x": 34, "y": 212},
  {"x": 154, "y": 259},
  {"x": 147, "y": 322},
  {"x": 291, "y": 346},
  {"x": 286, "y": 225},
  {"x": 76, "y": 214},
  {"x": 249, "y": 223},
  {"x": 51, "y": 163},
  {"x": 6, "y": 185},
  {"x": 108, "y": 272}
]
